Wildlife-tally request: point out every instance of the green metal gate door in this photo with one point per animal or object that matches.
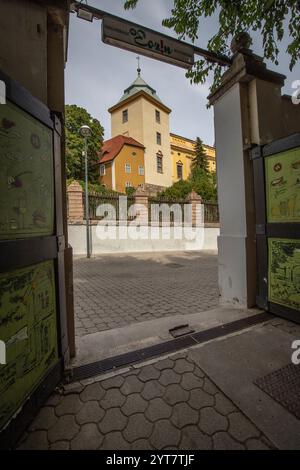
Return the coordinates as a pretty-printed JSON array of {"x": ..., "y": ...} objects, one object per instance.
[
  {"x": 277, "y": 200},
  {"x": 32, "y": 286}
]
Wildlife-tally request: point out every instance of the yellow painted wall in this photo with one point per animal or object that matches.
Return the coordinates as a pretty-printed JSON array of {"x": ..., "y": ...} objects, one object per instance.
[
  {"x": 142, "y": 126},
  {"x": 107, "y": 178},
  {"x": 126, "y": 156},
  {"x": 183, "y": 150},
  {"x": 118, "y": 168},
  {"x": 134, "y": 126}
]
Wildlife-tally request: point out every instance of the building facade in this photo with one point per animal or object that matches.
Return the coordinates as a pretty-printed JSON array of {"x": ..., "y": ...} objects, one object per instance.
[
  {"x": 141, "y": 115},
  {"x": 122, "y": 164},
  {"x": 183, "y": 152}
]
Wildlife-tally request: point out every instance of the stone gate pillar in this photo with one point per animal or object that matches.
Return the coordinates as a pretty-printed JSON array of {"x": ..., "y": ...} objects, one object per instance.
[{"x": 247, "y": 111}]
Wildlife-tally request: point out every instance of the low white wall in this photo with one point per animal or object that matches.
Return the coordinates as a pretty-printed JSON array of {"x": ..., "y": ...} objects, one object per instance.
[{"x": 193, "y": 239}]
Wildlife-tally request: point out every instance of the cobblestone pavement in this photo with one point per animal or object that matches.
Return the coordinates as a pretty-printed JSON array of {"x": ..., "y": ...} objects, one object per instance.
[
  {"x": 167, "y": 404},
  {"x": 112, "y": 291}
]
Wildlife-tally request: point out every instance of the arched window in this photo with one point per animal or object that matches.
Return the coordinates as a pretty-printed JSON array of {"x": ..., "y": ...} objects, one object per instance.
[
  {"x": 179, "y": 170},
  {"x": 159, "y": 162}
]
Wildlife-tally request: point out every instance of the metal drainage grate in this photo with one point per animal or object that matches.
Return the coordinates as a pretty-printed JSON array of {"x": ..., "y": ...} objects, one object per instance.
[
  {"x": 283, "y": 385},
  {"x": 100, "y": 367}
]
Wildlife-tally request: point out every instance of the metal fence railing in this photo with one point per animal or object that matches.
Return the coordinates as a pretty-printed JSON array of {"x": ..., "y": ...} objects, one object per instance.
[
  {"x": 171, "y": 203},
  {"x": 211, "y": 213},
  {"x": 112, "y": 201},
  {"x": 211, "y": 209}
]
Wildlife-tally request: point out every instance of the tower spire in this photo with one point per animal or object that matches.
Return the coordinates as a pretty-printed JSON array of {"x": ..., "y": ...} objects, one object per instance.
[{"x": 139, "y": 68}]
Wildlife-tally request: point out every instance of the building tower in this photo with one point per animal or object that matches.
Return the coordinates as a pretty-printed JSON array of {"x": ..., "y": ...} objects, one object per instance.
[{"x": 140, "y": 114}]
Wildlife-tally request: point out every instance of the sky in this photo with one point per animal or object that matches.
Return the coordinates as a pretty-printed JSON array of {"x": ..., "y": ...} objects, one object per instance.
[{"x": 97, "y": 74}]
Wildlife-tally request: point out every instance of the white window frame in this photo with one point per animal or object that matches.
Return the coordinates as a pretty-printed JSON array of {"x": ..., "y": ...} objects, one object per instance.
[
  {"x": 128, "y": 184},
  {"x": 127, "y": 168},
  {"x": 102, "y": 169},
  {"x": 162, "y": 164}
]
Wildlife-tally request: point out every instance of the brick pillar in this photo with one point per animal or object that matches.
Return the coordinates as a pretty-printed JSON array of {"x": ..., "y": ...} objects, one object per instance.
[
  {"x": 75, "y": 203},
  {"x": 142, "y": 199},
  {"x": 196, "y": 202}
]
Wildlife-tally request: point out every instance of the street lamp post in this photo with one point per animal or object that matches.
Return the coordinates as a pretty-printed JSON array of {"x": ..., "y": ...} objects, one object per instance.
[{"x": 86, "y": 132}]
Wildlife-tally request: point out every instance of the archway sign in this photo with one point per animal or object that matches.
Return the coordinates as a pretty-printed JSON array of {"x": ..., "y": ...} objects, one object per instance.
[{"x": 137, "y": 38}]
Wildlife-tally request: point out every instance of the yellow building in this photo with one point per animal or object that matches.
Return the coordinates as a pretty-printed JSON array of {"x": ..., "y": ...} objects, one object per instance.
[
  {"x": 141, "y": 115},
  {"x": 122, "y": 164},
  {"x": 183, "y": 153}
]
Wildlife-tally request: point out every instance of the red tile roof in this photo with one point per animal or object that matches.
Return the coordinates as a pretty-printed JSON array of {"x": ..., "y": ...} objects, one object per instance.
[{"x": 112, "y": 147}]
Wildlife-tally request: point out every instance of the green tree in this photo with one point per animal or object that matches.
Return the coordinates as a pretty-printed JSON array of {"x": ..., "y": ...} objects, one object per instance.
[
  {"x": 75, "y": 118},
  {"x": 203, "y": 184},
  {"x": 178, "y": 190},
  {"x": 273, "y": 19},
  {"x": 200, "y": 159}
]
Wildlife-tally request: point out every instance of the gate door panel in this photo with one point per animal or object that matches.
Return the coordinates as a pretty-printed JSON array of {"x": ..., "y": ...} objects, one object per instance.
[
  {"x": 277, "y": 200},
  {"x": 31, "y": 247}
]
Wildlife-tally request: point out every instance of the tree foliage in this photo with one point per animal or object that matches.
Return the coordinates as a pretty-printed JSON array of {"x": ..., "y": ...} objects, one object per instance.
[
  {"x": 75, "y": 118},
  {"x": 200, "y": 160},
  {"x": 273, "y": 19},
  {"x": 201, "y": 180}
]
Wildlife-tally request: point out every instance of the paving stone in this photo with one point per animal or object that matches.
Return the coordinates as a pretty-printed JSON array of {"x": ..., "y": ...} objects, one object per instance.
[
  {"x": 113, "y": 398},
  {"x": 92, "y": 392},
  {"x": 90, "y": 413},
  {"x": 222, "y": 441},
  {"x": 190, "y": 381},
  {"x": 141, "y": 444},
  {"x": 115, "y": 441},
  {"x": 36, "y": 440},
  {"x": 70, "y": 405},
  {"x": 209, "y": 387},
  {"x": 241, "y": 428},
  {"x": 148, "y": 373},
  {"x": 60, "y": 445},
  {"x": 164, "y": 434},
  {"x": 223, "y": 405},
  {"x": 54, "y": 399},
  {"x": 168, "y": 377},
  {"x": 183, "y": 415},
  {"x": 88, "y": 438},
  {"x": 44, "y": 420},
  {"x": 152, "y": 389},
  {"x": 132, "y": 385},
  {"x": 138, "y": 427},
  {"x": 198, "y": 372},
  {"x": 200, "y": 399},
  {"x": 158, "y": 409},
  {"x": 194, "y": 439},
  {"x": 113, "y": 420},
  {"x": 182, "y": 365},
  {"x": 211, "y": 421},
  {"x": 115, "y": 382},
  {"x": 165, "y": 364},
  {"x": 175, "y": 394},
  {"x": 256, "y": 444},
  {"x": 64, "y": 430},
  {"x": 134, "y": 404}
]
